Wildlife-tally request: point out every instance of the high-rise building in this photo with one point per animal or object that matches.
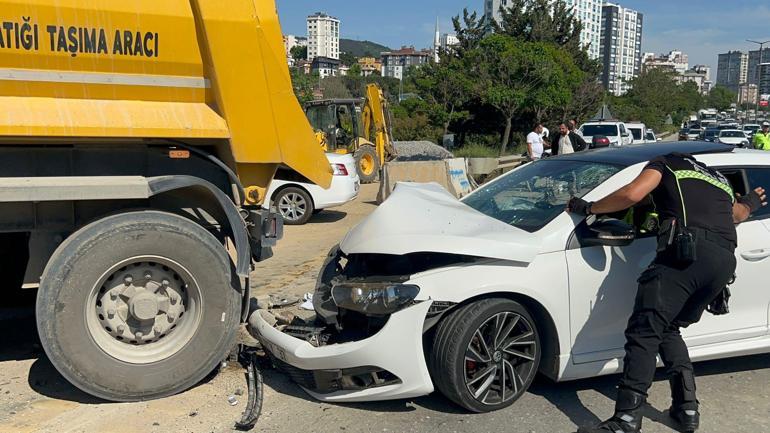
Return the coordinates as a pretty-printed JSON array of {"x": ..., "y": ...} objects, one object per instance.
[
  {"x": 621, "y": 47},
  {"x": 732, "y": 70},
  {"x": 764, "y": 81},
  {"x": 437, "y": 43},
  {"x": 753, "y": 64},
  {"x": 589, "y": 12},
  {"x": 323, "y": 36}
]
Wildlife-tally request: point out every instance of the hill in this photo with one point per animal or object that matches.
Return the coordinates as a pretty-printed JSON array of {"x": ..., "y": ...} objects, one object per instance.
[{"x": 362, "y": 48}]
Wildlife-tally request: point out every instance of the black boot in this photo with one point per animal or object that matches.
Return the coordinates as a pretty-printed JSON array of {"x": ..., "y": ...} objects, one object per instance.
[
  {"x": 684, "y": 404},
  {"x": 627, "y": 418}
]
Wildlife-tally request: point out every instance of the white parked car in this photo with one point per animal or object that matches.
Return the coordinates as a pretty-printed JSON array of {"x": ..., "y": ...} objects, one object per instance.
[
  {"x": 616, "y": 132},
  {"x": 297, "y": 200},
  {"x": 474, "y": 297},
  {"x": 639, "y": 132},
  {"x": 733, "y": 137}
]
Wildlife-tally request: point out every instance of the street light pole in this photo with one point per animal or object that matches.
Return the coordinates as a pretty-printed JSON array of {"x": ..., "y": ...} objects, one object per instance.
[{"x": 759, "y": 70}]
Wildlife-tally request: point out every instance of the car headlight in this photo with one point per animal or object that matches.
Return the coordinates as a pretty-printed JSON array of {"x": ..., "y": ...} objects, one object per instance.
[{"x": 374, "y": 298}]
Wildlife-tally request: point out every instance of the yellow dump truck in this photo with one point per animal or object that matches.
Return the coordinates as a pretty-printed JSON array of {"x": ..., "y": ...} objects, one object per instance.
[{"x": 137, "y": 140}]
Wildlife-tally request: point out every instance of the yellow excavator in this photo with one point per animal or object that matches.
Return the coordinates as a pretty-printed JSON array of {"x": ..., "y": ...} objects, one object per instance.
[{"x": 357, "y": 126}]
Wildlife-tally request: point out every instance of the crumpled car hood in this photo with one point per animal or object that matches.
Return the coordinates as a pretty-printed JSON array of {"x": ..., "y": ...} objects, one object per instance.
[{"x": 420, "y": 218}]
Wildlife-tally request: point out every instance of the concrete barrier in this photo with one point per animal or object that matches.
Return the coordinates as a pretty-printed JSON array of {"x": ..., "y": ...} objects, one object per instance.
[{"x": 451, "y": 174}]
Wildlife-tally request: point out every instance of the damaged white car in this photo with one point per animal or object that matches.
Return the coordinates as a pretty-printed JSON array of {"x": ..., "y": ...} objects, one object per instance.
[{"x": 475, "y": 297}]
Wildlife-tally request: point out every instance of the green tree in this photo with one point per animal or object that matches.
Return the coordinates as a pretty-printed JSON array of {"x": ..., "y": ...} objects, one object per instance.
[
  {"x": 445, "y": 87},
  {"x": 298, "y": 52},
  {"x": 303, "y": 85},
  {"x": 355, "y": 70},
  {"x": 334, "y": 88},
  {"x": 721, "y": 98},
  {"x": 507, "y": 73},
  {"x": 547, "y": 21},
  {"x": 348, "y": 59}
]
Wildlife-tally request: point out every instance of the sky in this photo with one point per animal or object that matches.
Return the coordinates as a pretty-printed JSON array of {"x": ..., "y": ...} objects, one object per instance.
[{"x": 700, "y": 28}]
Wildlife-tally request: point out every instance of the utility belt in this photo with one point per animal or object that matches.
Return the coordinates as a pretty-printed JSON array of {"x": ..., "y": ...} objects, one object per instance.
[{"x": 680, "y": 243}]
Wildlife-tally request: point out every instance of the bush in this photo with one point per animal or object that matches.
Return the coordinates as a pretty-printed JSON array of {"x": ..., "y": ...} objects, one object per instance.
[{"x": 476, "y": 151}]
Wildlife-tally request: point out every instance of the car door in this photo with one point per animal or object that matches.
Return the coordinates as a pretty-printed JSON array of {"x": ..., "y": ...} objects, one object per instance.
[
  {"x": 602, "y": 284},
  {"x": 749, "y": 304}
]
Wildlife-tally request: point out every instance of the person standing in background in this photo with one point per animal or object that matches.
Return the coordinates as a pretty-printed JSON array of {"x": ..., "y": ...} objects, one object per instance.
[
  {"x": 567, "y": 142},
  {"x": 535, "y": 144}
]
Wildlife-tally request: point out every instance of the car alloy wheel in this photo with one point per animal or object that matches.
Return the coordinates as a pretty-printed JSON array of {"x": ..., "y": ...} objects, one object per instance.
[{"x": 500, "y": 358}]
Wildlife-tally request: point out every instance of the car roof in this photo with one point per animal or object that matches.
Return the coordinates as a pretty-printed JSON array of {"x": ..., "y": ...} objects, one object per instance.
[
  {"x": 637, "y": 153},
  {"x": 731, "y": 130},
  {"x": 634, "y": 125},
  {"x": 603, "y": 122}
]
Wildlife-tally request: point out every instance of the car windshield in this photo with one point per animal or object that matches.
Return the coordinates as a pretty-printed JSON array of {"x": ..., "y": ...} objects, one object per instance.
[
  {"x": 650, "y": 136},
  {"x": 732, "y": 134},
  {"x": 532, "y": 196},
  {"x": 608, "y": 130},
  {"x": 711, "y": 133},
  {"x": 637, "y": 132}
]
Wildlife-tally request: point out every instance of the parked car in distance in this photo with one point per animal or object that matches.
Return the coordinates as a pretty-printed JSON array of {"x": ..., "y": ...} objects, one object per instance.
[
  {"x": 683, "y": 134},
  {"x": 750, "y": 129},
  {"x": 733, "y": 137},
  {"x": 638, "y": 131},
  {"x": 474, "y": 297},
  {"x": 693, "y": 134},
  {"x": 616, "y": 132},
  {"x": 709, "y": 134},
  {"x": 297, "y": 200},
  {"x": 650, "y": 137}
]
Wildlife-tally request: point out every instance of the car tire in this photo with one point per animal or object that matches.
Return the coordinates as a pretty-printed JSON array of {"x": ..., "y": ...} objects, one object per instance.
[
  {"x": 479, "y": 379},
  {"x": 138, "y": 306},
  {"x": 367, "y": 164},
  {"x": 295, "y": 205}
]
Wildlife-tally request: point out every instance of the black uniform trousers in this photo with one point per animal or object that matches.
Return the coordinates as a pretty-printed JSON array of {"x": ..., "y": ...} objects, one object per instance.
[{"x": 671, "y": 297}]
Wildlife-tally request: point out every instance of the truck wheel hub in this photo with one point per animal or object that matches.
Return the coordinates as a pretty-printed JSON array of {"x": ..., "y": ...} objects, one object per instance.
[
  {"x": 150, "y": 303},
  {"x": 143, "y": 306}
]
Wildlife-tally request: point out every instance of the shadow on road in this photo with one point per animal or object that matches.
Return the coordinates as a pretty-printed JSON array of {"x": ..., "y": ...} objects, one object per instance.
[
  {"x": 327, "y": 217},
  {"x": 564, "y": 396}
]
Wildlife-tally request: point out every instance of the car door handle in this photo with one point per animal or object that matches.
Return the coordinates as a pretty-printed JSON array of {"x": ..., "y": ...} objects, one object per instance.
[{"x": 756, "y": 255}]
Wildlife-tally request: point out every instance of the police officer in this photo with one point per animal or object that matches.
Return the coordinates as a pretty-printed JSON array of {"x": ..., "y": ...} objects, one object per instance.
[
  {"x": 762, "y": 138},
  {"x": 694, "y": 263}
]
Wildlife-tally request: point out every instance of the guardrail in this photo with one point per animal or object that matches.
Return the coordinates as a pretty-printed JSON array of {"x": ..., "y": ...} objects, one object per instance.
[{"x": 508, "y": 162}]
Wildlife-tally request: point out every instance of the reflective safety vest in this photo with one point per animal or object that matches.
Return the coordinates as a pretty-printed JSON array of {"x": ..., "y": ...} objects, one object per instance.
[
  {"x": 717, "y": 182},
  {"x": 761, "y": 141}
]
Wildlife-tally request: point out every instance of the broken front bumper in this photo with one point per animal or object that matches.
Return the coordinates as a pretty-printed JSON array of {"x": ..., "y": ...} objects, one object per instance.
[{"x": 328, "y": 373}]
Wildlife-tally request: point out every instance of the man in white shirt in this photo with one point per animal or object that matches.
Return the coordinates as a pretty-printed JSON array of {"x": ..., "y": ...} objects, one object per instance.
[{"x": 535, "y": 145}]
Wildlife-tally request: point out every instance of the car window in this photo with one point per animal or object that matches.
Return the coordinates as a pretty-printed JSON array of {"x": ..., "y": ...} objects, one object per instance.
[
  {"x": 532, "y": 196},
  {"x": 637, "y": 132},
  {"x": 650, "y": 136},
  {"x": 608, "y": 130},
  {"x": 623, "y": 129},
  {"x": 759, "y": 177}
]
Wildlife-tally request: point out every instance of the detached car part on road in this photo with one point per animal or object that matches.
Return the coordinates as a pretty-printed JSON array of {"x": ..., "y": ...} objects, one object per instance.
[{"x": 474, "y": 297}]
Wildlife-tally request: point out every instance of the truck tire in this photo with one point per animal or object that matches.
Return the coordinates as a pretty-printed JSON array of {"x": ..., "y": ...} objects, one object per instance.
[
  {"x": 478, "y": 349},
  {"x": 295, "y": 205},
  {"x": 367, "y": 164},
  {"x": 138, "y": 306}
]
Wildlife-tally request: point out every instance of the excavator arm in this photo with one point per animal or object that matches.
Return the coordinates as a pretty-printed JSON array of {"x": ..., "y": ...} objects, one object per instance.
[{"x": 375, "y": 118}]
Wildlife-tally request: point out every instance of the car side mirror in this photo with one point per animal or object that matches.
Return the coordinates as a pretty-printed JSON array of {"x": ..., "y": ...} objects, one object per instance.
[{"x": 608, "y": 232}]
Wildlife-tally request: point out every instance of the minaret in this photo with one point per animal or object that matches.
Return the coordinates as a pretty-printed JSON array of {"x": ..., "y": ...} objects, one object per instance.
[{"x": 436, "y": 43}]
